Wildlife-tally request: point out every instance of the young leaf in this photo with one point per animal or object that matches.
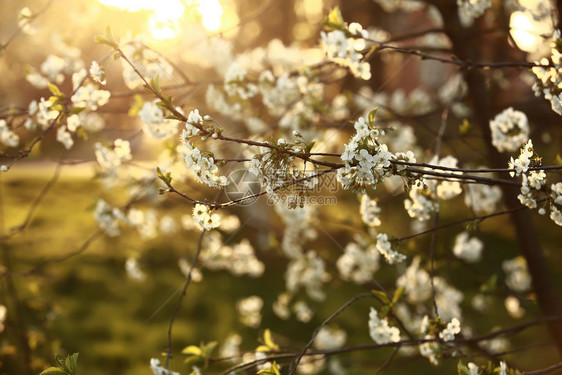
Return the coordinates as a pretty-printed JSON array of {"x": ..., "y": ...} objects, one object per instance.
[
  {"x": 273, "y": 370},
  {"x": 208, "y": 349},
  {"x": 335, "y": 20},
  {"x": 268, "y": 340},
  {"x": 192, "y": 350},
  {"x": 54, "y": 89},
  {"x": 372, "y": 116},
  {"x": 53, "y": 371},
  {"x": 382, "y": 296},
  {"x": 399, "y": 292},
  {"x": 107, "y": 39}
]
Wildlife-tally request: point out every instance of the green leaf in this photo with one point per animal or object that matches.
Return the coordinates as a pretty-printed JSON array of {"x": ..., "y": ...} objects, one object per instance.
[
  {"x": 464, "y": 127},
  {"x": 72, "y": 363},
  {"x": 382, "y": 296},
  {"x": 193, "y": 360},
  {"x": 384, "y": 311},
  {"x": 53, "y": 371},
  {"x": 107, "y": 39},
  {"x": 166, "y": 178},
  {"x": 137, "y": 105},
  {"x": 372, "y": 116},
  {"x": 335, "y": 20},
  {"x": 309, "y": 147},
  {"x": 462, "y": 369},
  {"x": 208, "y": 349},
  {"x": 399, "y": 292},
  {"x": 54, "y": 89},
  {"x": 273, "y": 370},
  {"x": 192, "y": 350},
  {"x": 268, "y": 340},
  {"x": 155, "y": 84}
]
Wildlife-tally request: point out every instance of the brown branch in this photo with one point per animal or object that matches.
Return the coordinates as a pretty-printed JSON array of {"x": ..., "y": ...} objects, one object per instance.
[{"x": 180, "y": 300}]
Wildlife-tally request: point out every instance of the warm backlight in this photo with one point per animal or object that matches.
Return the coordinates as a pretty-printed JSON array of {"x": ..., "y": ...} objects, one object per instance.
[{"x": 166, "y": 15}]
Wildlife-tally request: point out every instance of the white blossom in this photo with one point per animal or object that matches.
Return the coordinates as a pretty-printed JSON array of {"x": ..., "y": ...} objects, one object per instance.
[
  {"x": 204, "y": 217},
  {"x": 369, "y": 211},
  {"x": 384, "y": 247},
  {"x": 7, "y": 136},
  {"x": 249, "y": 311},
  {"x": 518, "y": 278},
  {"x": 309, "y": 272},
  {"x": 522, "y": 163},
  {"x": 510, "y": 130},
  {"x": 133, "y": 270},
  {"x": 154, "y": 122},
  {"x": 64, "y": 137},
  {"x": 357, "y": 264},
  {"x": 330, "y": 338},
  {"x": 158, "y": 369},
  {"x": 97, "y": 73},
  {"x": 380, "y": 331},
  {"x": 347, "y": 51},
  {"x": 453, "y": 328},
  {"x": 90, "y": 97},
  {"x": 469, "y": 10},
  {"x": 467, "y": 249}
]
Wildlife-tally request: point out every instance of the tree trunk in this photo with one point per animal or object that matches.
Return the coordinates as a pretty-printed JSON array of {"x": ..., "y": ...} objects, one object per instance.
[{"x": 549, "y": 300}]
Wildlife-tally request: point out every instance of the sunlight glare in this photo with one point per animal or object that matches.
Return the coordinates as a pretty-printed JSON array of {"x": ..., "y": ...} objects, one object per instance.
[
  {"x": 525, "y": 31},
  {"x": 211, "y": 11},
  {"x": 164, "y": 14}
]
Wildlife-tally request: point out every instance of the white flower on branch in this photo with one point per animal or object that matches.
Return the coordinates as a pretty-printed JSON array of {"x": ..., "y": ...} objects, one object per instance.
[
  {"x": 152, "y": 117},
  {"x": 384, "y": 247},
  {"x": 510, "y": 130},
  {"x": 158, "y": 369},
  {"x": 370, "y": 211},
  {"x": 453, "y": 328},
  {"x": 89, "y": 97},
  {"x": 346, "y": 51},
  {"x": 204, "y": 217},
  {"x": 7, "y": 136},
  {"x": 97, "y": 73},
  {"x": 380, "y": 331}
]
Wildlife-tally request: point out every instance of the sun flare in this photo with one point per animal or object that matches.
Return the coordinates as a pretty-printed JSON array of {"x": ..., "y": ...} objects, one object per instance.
[
  {"x": 211, "y": 11},
  {"x": 166, "y": 15}
]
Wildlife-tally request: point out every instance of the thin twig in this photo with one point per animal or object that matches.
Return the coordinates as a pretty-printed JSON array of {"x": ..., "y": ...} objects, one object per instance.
[
  {"x": 295, "y": 363},
  {"x": 180, "y": 300}
]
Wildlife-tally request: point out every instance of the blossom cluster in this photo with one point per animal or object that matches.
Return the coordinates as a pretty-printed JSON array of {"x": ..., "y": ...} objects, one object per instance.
[
  {"x": 510, "y": 130},
  {"x": 366, "y": 161},
  {"x": 155, "y": 124},
  {"x": 469, "y": 10},
  {"x": 467, "y": 249},
  {"x": 534, "y": 183},
  {"x": 549, "y": 75},
  {"x": 380, "y": 331},
  {"x": 347, "y": 50},
  {"x": 358, "y": 264},
  {"x": 204, "y": 218},
  {"x": 238, "y": 259}
]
